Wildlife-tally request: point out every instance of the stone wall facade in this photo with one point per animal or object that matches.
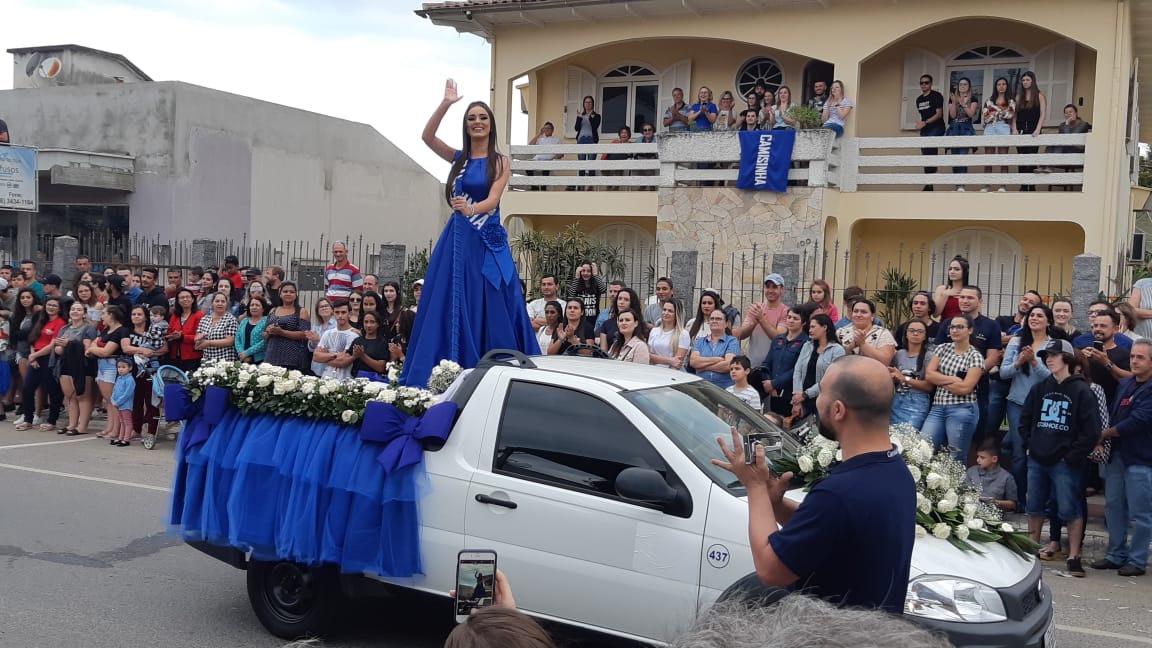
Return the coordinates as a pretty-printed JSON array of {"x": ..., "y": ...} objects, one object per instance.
[{"x": 779, "y": 224}]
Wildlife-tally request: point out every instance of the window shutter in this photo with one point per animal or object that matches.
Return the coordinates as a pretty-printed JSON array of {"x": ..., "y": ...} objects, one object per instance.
[
  {"x": 1055, "y": 67},
  {"x": 677, "y": 76},
  {"x": 917, "y": 63},
  {"x": 580, "y": 83}
]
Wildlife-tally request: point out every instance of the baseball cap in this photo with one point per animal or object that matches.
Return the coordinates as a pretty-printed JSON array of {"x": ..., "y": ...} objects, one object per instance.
[
  {"x": 53, "y": 280},
  {"x": 1055, "y": 346},
  {"x": 418, "y": 282},
  {"x": 775, "y": 278},
  {"x": 116, "y": 280}
]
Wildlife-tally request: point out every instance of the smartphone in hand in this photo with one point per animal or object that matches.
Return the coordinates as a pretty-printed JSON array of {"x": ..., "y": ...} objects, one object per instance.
[{"x": 475, "y": 581}]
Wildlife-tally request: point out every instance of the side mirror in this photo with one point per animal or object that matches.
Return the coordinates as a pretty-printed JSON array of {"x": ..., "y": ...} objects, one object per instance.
[{"x": 644, "y": 485}]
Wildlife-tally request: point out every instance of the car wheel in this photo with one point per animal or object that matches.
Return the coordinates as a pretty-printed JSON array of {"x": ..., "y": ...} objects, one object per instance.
[{"x": 292, "y": 601}]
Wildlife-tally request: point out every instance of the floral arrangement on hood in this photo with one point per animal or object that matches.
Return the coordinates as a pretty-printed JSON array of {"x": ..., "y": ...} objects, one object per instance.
[
  {"x": 948, "y": 506},
  {"x": 269, "y": 389}
]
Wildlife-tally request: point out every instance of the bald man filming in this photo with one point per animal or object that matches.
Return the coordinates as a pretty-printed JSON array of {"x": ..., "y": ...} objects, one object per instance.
[{"x": 850, "y": 541}]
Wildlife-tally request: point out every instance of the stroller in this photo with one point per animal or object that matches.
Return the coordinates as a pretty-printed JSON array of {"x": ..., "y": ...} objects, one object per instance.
[{"x": 164, "y": 375}]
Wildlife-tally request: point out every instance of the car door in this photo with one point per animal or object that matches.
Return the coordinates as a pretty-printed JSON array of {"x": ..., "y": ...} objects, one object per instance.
[{"x": 572, "y": 548}]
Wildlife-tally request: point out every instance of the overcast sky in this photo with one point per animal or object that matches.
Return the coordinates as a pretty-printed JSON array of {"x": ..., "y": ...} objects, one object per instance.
[{"x": 371, "y": 61}]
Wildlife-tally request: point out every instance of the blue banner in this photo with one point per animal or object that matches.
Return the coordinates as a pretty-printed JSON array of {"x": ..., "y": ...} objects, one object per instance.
[{"x": 765, "y": 157}]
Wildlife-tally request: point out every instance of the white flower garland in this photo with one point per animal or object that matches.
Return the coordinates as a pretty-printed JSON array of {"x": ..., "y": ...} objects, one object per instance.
[{"x": 948, "y": 506}]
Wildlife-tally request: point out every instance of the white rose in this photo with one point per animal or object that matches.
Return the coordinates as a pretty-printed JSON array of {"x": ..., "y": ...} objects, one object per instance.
[
  {"x": 805, "y": 463},
  {"x": 950, "y": 494},
  {"x": 374, "y": 387},
  {"x": 436, "y": 371},
  {"x": 1007, "y": 528},
  {"x": 410, "y": 402},
  {"x": 934, "y": 480},
  {"x": 264, "y": 381},
  {"x": 976, "y": 523},
  {"x": 942, "y": 531},
  {"x": 348, "y": 416},
  {"x": 242, "y": 379},
  {"x": 923, "y": 504},
  {"x": 824, "y": 458},
  {"x": 264, "y": 369},
  {"x": 921, "y": 532},
  {"x": 961, "y": 532},
  {"x": 324, "y": 390},
  {"x": 969, "y": 510},
  {"x": 308, "y": 387},
  {"x": 915, "y": 473},
  {"x": 924, "y": 452},
  {"x": 295, "y": 374},
  {"x": 946, "y": 505},
  {"x": 249, "y": 399},
  {"x": 387, "y": 396}
]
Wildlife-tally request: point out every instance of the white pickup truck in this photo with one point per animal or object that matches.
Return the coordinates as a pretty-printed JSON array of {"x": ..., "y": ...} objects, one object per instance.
[{"x": 592, "y": 481}]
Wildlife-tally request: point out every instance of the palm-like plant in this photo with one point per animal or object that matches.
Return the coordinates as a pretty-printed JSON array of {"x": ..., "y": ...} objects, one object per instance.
[
  {"x": 894, "y": 301},
  {"x": 538, "y": 254}
]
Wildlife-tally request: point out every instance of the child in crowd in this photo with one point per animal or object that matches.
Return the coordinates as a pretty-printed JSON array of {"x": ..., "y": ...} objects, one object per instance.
[
  {"x": 195, "y": 274},
  {"x": 739, "y": 369},
  {"x": 156, "y": 337},
  {"x": 997, "y": 487},
  {"x": 123, "y": 392}
]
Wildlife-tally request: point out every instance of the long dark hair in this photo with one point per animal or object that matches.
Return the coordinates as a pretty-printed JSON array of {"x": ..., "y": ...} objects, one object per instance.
[
  {"x": 829, "y": 326},
  {"x": 19, "y": 313},
  {"x": 1026, "y": 338},
  {"x": 699, "y": 320},
  {"x": 920, "y": 357},
  {"x": 1007, "y": 96},
  {"x": 1026, "y": 98},
  {"x": 959, "y": 258},
  {"x": 639, "y": 332},
  {"x": 42, "y": 318},
  {"x": 495, "y": 159}
]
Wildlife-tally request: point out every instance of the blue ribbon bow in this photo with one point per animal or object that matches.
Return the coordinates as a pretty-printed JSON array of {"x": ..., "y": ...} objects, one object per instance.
[{"x": 405, "y": 436}]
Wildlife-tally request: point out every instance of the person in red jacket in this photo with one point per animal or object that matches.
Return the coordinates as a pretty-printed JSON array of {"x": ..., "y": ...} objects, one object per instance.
[{"x": 186, "y": 316}]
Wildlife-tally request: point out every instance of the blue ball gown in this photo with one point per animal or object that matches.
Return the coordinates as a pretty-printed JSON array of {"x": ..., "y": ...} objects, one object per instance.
[{"x": 472, "y": 300}]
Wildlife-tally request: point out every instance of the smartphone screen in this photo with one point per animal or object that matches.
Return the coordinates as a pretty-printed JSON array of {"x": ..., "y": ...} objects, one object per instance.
[
  {"x": 1098, "y": 345},
  {"x": 475, "y": 581}
]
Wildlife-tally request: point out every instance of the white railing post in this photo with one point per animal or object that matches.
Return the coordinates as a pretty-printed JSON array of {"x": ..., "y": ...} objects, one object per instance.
[{"x": 849, "y": 167}]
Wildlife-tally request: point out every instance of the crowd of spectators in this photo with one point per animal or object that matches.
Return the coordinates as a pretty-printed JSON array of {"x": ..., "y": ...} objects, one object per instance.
[
  {"x": 979, "y": 385},
  {"x": 66, "y": 353}
]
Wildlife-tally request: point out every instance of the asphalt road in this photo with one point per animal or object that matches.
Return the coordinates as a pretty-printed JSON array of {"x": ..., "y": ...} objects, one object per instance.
[{"x": 85, "y": 561}]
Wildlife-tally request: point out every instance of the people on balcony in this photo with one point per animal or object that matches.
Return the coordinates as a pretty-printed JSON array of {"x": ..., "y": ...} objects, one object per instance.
[
  {"x": 836, "y": 109},
  {"x": 767, "y": 110},
  {"x": 962, "y": 109},
  {"x": 726, "y": 112},
  {"x": 1031, "y": 106},
  {"x": 947, "y": 295},
  {"x": 819, "y": 94},
  {"x": 930, "y": 106},
  {"x": 676, "y": 118},
  {"x": 753, "y": 103},
  {"x": 587, "y": 132},
  {"x": 624, "y": 136},
  {"x": 749, "y": 120},
  {"x": 999, "y": 117},
  {"x": 782, "y": 113},
  {"x": 1072, "y": 125},
  {"x": 703, "y": 113},
  {"x": 546, "y": 137}
]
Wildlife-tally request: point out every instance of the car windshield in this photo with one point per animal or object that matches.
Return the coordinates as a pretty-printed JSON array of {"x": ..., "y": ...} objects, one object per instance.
[{"x": 694, "y": 414}]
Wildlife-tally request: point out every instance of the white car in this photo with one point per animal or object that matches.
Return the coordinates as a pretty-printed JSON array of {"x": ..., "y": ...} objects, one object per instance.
[{"x": 592, "y": 481}]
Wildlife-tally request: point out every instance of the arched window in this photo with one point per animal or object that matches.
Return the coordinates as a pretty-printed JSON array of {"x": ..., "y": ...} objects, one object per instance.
[
  {"x": 628, "y": 97},
  {"x": 760, "y": 68}
]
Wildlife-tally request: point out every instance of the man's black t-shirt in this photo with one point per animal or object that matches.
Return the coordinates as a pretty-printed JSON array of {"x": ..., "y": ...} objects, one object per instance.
[
  {"x": 1118, "y": 356},
  {"x": 927, "y": 105},
  {"x": 868, "y": 501}
]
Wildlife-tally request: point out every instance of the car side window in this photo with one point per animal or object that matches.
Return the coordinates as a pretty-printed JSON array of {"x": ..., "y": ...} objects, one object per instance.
[{"x": 568, "y": 438}]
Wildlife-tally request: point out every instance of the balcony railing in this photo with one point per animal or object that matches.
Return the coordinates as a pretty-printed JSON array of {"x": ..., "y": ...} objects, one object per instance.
[
  {"x": 896, "y": 162},
  {"x": 693, "y": 159}
]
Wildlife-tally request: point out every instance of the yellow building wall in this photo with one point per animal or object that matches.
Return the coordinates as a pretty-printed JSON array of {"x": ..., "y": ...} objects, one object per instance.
[
  {"x": 588, "y": 224},
  {"x": 1046, "y": 263}
]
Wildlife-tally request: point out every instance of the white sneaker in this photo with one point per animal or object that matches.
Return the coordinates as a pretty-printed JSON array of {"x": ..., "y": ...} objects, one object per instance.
[
  {"x": 961, "y": 189},
  {"x": 37, "y": 420},
  {"x": 1001, "y": 189},
  {"x": 984, "y": 189}
]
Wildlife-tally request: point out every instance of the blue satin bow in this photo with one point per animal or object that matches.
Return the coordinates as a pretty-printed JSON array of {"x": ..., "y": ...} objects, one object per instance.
[{"x": 405, "y": 435}]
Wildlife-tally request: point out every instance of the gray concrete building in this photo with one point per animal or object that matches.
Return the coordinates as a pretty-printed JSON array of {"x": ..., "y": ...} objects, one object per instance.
[{"x": 123, "y": 155}]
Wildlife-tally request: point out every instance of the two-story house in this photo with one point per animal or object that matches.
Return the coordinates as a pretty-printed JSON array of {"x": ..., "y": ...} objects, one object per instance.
[{"x": 869, "y": 211}]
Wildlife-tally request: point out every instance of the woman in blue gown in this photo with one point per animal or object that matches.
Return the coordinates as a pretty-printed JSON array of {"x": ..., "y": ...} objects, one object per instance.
[{"x": 472, "y": 301}]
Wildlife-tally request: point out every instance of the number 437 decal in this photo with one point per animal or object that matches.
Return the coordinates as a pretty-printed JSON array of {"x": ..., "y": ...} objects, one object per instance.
[{"x": 718, "y": 556}]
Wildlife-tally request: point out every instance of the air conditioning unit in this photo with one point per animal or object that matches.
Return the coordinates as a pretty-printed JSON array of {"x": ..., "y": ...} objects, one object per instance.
[{"x": 1138, "y": 250}]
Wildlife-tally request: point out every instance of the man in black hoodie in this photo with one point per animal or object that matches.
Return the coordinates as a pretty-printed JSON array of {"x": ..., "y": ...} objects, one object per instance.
[{"x": 1060, "y": 425}]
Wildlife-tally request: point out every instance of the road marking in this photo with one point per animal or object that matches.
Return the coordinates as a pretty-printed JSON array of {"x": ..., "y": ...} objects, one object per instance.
[
  {"x": 45, "y": 443},
  {"x": 1105, "y": 633},
  {"x": 115, "y": 482}
]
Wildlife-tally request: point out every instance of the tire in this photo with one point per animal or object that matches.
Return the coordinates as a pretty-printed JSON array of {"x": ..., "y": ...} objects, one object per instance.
[{"x": 293, "y": 601}]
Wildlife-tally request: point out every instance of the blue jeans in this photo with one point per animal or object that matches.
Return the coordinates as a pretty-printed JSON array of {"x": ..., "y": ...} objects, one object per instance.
[
  {"x": 1018, "y": 465},
  {"x": 835, "y": 128},
  {"x": 1128, "y": 499},
  {"x": 587, "y": 139},
  {"x": 952, "y": 425},
  {"x": 911, "y": 407},
  {"x": 997, "y": 402},
  {"x": 1061, "y": 480}
]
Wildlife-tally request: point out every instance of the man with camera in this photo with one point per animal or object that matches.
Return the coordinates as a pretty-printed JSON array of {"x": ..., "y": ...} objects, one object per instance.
[
  {"x": 868, "y": 500},
  {"x": 1107, "y": 360}
]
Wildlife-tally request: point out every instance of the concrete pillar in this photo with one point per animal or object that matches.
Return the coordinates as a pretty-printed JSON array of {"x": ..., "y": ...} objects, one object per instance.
[
  {"x": 25, "y": 233},
  {"x": 1085, "y": 287},
  {"x": 393, "y": 262},
  {"x": 64, "y": 251},
  {"x": 205, "y": 253},
  {"x": 787, "y": 265},
  {"x": 683, "y": 266}
]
